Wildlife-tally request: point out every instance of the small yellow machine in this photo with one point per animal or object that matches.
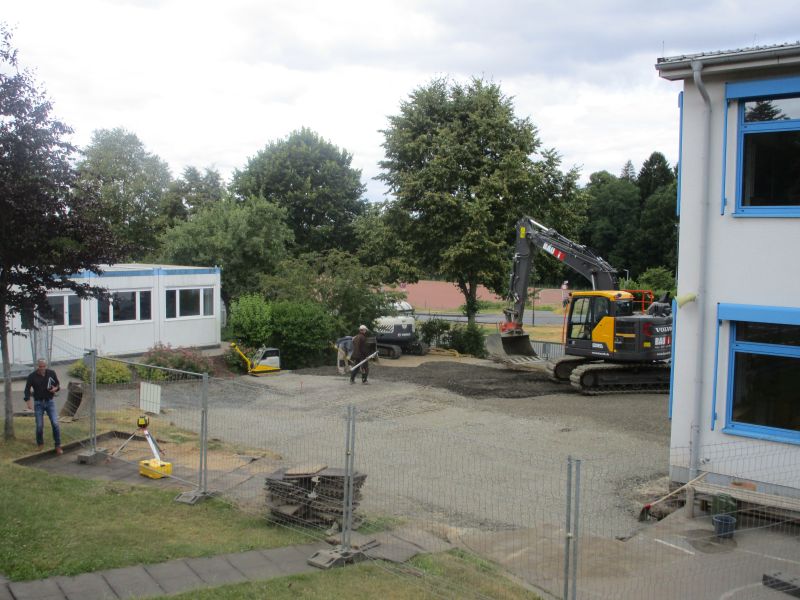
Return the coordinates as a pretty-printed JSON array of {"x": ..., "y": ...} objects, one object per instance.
[
  {"x": 264, "y": 360},
  {"x": 154, "y": 468}
]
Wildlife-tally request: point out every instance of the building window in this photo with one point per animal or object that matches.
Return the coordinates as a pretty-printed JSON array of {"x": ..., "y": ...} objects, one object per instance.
[
  {"x": 768, "y": 162},
  {"x": 125, "y": 306},
  {"x": 61, "y": 310},
  {"x": 190, "y": 302},
  {"x": 764, "y": 375}
]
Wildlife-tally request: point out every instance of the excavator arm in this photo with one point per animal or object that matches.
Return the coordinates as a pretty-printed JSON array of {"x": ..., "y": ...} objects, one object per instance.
[{"x": 532, "y": 236}]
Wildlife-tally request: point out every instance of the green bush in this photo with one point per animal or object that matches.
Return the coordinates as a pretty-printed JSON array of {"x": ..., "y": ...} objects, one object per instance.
[
  {"x": 433, "y": 331},
  {"x": 469, "y": 339},
  {"x": 658, "y": 279},
  {"x": 108, "y": 371},
  {"x": 302, "y": 331},
  {"x": 248, "y": 322},
  {"x": 182, "y": 359},
  {"x": 233, "y": 359}
]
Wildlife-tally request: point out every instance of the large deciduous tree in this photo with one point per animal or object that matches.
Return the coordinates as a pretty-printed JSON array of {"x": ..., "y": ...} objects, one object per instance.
[
  {"x": 246, "y": 239},
  {"x": 50, "y": 227},
  {"x": 316, "y": 184},
  {"x": 190, "y": 193},
  {"x": 459, "y": 163},
  {"x": 132, "y": 184}
]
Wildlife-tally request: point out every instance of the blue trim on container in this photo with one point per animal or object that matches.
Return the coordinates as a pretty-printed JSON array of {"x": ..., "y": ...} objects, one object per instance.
[
  {"x": 769, "y": 434},
  {"x": 672, "y": 356},
  {"x": 786, "y": 315},
  {"x": 716, "y": 375},
  {"x": 724, "y": 155},
  {"x": 137, "y": 273},
  {"x": 211, "y": 271},
  {"x": 763, "y": 87},
  {"x": 680, "y": 166}
]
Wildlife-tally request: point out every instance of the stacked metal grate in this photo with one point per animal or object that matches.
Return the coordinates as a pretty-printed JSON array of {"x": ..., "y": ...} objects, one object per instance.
[{"x": 311, "y": 495}]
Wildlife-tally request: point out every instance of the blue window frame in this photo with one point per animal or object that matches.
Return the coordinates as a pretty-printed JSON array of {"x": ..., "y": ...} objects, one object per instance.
[
  {"x": 763, "y": 372},
  {"x": 768, "y": 147}
]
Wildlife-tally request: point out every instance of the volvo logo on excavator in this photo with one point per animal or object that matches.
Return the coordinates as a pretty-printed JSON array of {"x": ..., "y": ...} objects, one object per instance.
[{"x": 550, "y": 249}]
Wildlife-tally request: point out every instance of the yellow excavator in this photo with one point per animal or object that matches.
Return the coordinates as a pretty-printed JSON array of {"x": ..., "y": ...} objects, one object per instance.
[{"x": 608, "y": 346}]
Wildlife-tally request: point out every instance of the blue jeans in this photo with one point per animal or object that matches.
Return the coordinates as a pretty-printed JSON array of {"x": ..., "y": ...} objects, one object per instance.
[{"x": 46, "y": 406}]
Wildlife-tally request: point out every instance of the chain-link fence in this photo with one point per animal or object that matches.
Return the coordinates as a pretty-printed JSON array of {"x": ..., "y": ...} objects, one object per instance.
[{"x": 305, "y": 455}]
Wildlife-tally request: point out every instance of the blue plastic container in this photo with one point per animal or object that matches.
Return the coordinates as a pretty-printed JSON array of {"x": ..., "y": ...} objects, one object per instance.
[{"x": 724, "y": 526}]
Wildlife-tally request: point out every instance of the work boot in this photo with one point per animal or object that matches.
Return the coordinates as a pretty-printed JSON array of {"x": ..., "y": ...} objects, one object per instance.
[
  {"x": 352, "y": 381},
  {"x": 40, "y": 446},
  {"x": 365, "y": 382},
  {"x": 59, "y": 451}
]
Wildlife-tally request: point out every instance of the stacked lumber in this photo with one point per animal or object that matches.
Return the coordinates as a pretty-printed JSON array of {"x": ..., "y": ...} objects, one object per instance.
[{"x": 311, "y": 495}]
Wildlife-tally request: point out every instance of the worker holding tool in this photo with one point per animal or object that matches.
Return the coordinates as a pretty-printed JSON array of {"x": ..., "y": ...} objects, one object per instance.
[
  {"x": 359, "y": 355},
  {"x": 45, "y": 384}
]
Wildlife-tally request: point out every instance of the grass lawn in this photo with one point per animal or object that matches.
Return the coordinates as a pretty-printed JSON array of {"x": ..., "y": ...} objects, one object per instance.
[{"x": 55, "y": 525}]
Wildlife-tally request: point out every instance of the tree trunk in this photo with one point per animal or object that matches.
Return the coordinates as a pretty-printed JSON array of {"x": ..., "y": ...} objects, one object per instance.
[
  {"x": 470, "y": 291},
  {"x": 8, "y": 428}
]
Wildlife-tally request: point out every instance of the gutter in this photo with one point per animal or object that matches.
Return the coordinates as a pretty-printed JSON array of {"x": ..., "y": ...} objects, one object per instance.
[{"x": 694, "y": 439}]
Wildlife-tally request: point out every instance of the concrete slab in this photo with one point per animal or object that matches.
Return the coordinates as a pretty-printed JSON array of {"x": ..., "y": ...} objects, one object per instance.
[
  {"x": 175, "y": 576},
  {"x": 88, "y": 586},
  {"x": 215, "y": 570},
  {"x": 132, "y": 582},
  {"x": 5, "y": 593},
  {"x": 44, "y": 589},
  {"x": 254, "y": 565},
  {"x": 291, "y": 560}
]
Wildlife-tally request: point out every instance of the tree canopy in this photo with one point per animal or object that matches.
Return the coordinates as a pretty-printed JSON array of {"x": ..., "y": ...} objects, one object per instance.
[
  {"x": 458, "y": 162},
  {"x": 51, "y": 226},
  {"x": 246, "y": 239},
  {"x": 132, "y": 184},
  {"x": 313, "y": 180}
]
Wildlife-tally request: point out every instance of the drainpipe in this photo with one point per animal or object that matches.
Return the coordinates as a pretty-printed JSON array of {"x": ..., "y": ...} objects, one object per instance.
[{"x": 694, "y": 440}]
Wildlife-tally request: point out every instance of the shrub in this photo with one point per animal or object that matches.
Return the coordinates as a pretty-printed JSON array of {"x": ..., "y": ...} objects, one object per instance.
[
  {"x": 468, "y": 339},
  {"x": 182, "y": 359},
  {"x": 234, "y": 361},
  {"x": 248, "y": 322},
  {"x": 433, "y": 331},
  {"x": 108, "y": 371},
  {"x": 302, "y": 331}
]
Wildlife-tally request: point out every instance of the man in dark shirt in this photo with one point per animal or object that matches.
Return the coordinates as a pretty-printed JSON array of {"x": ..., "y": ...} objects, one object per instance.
[
  {"x": 359, "y": 354},
  {"x": 44, "y": 383}
]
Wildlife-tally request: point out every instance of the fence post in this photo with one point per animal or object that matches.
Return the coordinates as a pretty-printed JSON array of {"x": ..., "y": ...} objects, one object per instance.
[
  {"x": 576, "y": 522},
  {"x": 347, "y": 504},
  {"x": 93, "y": 405},
  {"x": 203, "y": 483},
  {"x": 568, "y": 536}
]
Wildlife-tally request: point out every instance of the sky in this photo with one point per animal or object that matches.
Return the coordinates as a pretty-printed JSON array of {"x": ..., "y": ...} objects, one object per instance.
[{"x": 209, "y": 84}]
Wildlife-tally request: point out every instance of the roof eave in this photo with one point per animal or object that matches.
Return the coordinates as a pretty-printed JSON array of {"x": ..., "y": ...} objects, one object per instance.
[{"x": 681, "y": 68}]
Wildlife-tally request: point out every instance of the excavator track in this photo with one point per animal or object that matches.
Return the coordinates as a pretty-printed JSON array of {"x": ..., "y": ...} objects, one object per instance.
[
  {"x": 561, "y": 369},
  {"x": 597, "y": 378}
]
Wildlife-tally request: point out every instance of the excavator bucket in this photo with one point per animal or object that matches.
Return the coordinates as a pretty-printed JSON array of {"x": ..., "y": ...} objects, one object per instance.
[
  {"x": 517, "y": 345},
  {"x": 503, "y": 345}
]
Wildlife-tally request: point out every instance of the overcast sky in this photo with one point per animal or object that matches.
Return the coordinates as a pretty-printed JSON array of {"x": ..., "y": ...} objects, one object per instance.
[{"x": 209, "y": 84}]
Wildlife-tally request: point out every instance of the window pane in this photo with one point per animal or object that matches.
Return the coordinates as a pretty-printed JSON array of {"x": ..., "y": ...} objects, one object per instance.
[
  {"x": 768, "y": 333},
  {"x": 171, "y": 312},
  {"x": 765, "y": 390},
  {"x": 103, "y": 311},
  {"x": 771, "y": 174},
  {"x": 578, "y": 318},
  {"x": 774, "y": 109},
  {"x": 74, "y": 309},
  {"x": 145, "y": 306},
  {"x": 124, "y": 306},
  {"x": 189, "y": 303},
  {"x": 55, "y": 310},
  {"x": 208, "y": 301}
]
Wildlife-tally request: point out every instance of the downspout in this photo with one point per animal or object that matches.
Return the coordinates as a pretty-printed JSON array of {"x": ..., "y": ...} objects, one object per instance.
[{"x": 694, "y": 440}]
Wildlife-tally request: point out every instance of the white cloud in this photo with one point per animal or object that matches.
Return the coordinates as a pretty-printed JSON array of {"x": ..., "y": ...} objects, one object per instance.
[{"x": 209, "y": 84}]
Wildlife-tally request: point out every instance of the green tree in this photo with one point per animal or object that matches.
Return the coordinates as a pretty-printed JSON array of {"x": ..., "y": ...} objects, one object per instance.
[
  {"x": 132, "y": 184},
  {"x": 612, "y": 226},
  {"x": 379, "y": 244},
  {"x": 458, "y": 163},
  {"x": 658, "y": 279},
  {"x": 657, "y": 238},
  {"x": 246, "y": 239},
  {"x": 655, "y": 173},
  {"x": 350, "y": 292},
  {"x": 316, "y": 184},
  {"x": 192, "y": 192},
  {"x": 628, "y": 172},
  {"x": 50, "y": 226}
]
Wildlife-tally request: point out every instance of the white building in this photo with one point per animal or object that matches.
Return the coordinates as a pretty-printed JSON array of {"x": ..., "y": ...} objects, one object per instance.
[
  {"x": 736, "y": 370},
  {"x": 149, "y": 304}
]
